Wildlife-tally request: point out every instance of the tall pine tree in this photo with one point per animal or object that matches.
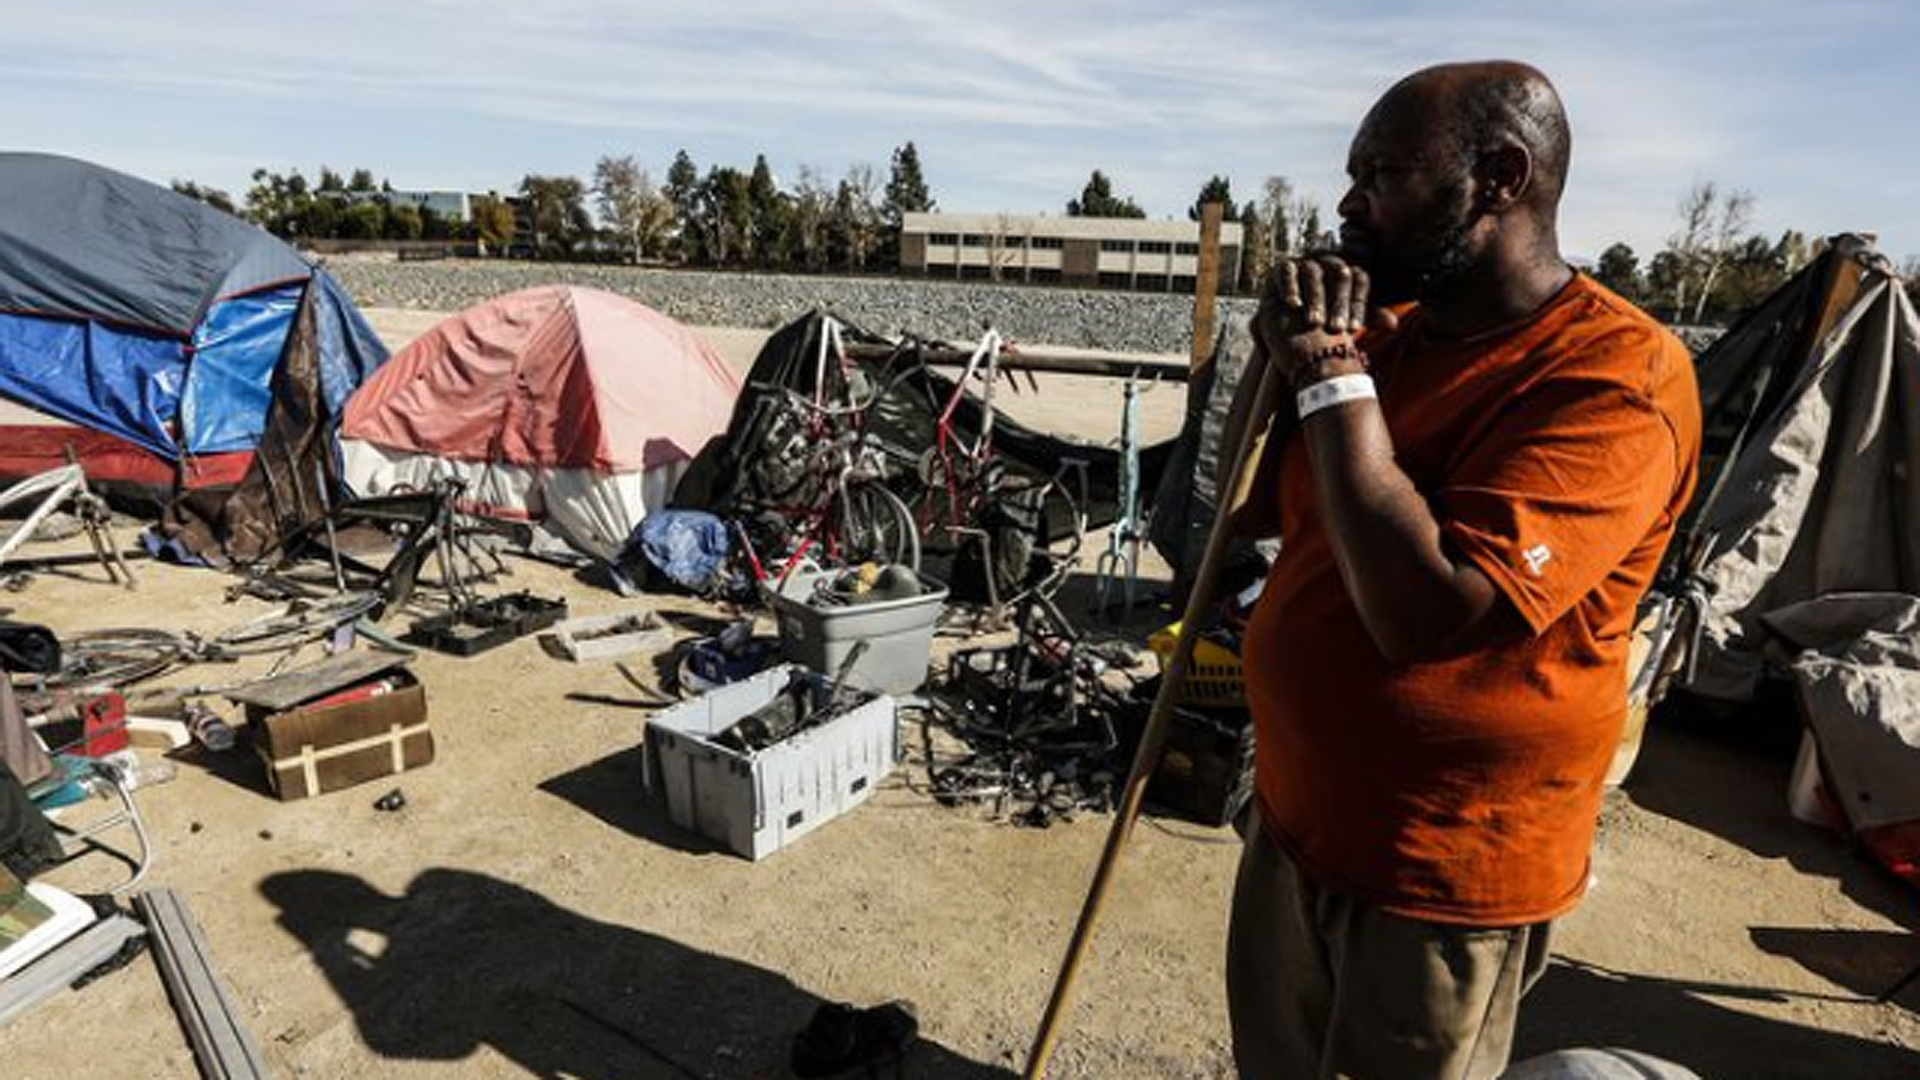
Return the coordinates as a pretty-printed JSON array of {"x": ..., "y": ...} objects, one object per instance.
[
  {"x": 1217, "y": 189},
  {"x": 1098, "y": 200},
  {"x": 906, "y": 194}
]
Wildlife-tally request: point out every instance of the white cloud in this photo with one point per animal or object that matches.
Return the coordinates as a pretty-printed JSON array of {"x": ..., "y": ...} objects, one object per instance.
[{"x": 1012, "y": 104}]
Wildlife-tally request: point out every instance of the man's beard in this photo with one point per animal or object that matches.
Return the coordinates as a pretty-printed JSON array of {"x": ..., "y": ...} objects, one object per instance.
[{"x": 1430, "y": 262}]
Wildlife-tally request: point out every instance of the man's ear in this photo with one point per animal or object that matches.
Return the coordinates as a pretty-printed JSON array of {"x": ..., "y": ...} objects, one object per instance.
[{"x": 1505, "y": 173}]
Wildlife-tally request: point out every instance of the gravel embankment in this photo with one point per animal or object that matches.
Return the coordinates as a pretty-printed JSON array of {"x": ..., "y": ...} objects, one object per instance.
[
  {"x": 1078, "y": 318},
  {"x": 1125, "y": 322}
]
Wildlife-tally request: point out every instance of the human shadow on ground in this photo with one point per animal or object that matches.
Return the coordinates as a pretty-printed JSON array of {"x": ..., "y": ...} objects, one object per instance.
[
  {"x": 1728, "y": 776},
  {"x": 463, "y": 960},
  {"x": 613, "y": 789},
  {"x": 1578, "y": 1004},
  {"x": 1869, "y": 963}
]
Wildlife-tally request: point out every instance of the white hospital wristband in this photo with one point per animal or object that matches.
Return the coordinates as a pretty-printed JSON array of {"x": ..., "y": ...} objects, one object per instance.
[{"x": 1335, "y": 391}]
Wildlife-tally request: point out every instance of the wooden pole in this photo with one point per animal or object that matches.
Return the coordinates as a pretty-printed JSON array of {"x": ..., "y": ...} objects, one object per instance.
[
  {"x": 1206, "y": 285},
  {"x": 1265, "y": 382}
]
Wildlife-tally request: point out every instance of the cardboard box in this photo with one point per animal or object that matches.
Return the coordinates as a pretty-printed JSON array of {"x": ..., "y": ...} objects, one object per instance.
[{"x": 343, "y": 722}]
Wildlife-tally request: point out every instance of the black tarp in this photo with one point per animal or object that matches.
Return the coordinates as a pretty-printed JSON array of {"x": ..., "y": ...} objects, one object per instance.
[{"x": 737, "y": 469}]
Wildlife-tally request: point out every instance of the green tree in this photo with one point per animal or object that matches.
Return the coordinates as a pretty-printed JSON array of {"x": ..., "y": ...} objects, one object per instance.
[
  {"x": 1754, "y": 271},
  {"x": 1666, "y": 277},
  {"x": 433, "y": 226},
  {"x": 727, "y": 212},
  {"x": 1619, "y": 270},
  {"x": 406, "y": 222},
  {"x": 907, "y": 193},
  {"x": 1098, "y": 200},
  {"x": 768, "y": 208},
  {"x": 493, "y": 223},
  {"x": 329, "y": 183},
  {"x": 212, "y": 196},
  {"x": 854, "y": 225},
  {"x": 1217, "y": 189},
  {"x": 682, "y": 190},
  {"x": 1255, "y": 255},
  {"x": 1312, "y": 237},
  {"x": 634, "y": 211},
  {"x": 364, "y": 220},
  {"x": 363, "y": 182},
  {"x": 279, "y": 204},
  {"x": 557, "y": 213},
  {"x": 807, "y": 231},
  {"x": 323, "y": 216}
]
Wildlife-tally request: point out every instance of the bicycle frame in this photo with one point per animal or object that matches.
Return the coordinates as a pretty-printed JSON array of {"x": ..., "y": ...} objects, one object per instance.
[{"x": 57, "y": 486}]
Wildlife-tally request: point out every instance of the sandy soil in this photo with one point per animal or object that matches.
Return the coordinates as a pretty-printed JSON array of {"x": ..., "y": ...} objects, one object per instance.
[{"x": 530, "y": 912}]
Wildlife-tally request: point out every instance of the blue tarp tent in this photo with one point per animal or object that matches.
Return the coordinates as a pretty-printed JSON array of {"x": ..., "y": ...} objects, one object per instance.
[{"x": 147, "y": 319}]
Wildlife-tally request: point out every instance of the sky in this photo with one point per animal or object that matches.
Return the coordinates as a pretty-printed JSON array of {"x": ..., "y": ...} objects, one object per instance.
[{"x": 1010, "y": 104}]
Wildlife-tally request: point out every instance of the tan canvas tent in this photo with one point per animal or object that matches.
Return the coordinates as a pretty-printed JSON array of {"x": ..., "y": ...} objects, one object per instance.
[{"x": 1802, "y": 557}]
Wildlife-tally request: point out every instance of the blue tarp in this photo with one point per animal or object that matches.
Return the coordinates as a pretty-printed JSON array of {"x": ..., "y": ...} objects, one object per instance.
[
  {"x": 123, "y": 383},
  {"x": 230, "y": 377},
  {"x": 349, "y": 349}
]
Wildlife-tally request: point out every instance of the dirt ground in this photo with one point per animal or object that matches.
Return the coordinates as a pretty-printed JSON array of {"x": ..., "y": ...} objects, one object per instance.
[{"x": 531, "y": 912}]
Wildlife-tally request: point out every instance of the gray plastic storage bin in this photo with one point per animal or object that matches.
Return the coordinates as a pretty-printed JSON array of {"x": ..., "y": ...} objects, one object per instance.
[
  {"x": 757, "y": 803},
  {"x": 899, "y": 633}
]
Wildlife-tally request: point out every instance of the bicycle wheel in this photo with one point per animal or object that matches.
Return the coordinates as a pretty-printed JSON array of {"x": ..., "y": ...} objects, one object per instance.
[
  {"x": 301, "y": 622},
  {"x": 875, "y": 526},
  {"x": 116, "y": 657}
]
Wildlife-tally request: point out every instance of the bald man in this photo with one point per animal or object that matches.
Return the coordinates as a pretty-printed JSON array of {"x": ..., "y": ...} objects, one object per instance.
[{"x": 1475, "y": 474}]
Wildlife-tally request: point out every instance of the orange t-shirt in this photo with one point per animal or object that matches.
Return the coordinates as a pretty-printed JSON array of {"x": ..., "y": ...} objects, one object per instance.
[{"x": 1556, "y": 455}]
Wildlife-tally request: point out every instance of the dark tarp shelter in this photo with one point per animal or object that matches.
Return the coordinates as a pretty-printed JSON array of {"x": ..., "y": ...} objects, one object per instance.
[
  {"x": 188, "y": 358},
  {"x": 1801, "y": 559},
  {"x": 908, "y": 394}
]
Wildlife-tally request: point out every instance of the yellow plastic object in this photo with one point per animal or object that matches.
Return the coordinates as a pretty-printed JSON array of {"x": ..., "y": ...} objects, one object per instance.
[{"x": 1213, "y": 675}]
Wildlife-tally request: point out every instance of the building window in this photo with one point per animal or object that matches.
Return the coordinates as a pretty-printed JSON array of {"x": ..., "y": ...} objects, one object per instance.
[
  {"x": 1043, "y": 274},
  {"x": 973, "y": 240},
  {"x": 1182, "y": 283},
  {"x": 1046, "y": 243},
  {"x": 946, "y": 238},
  {"x": 1155, "y": 247},
  {"x": 1122, "y": 246},
  {"x": 973, "y": 272},
  {"x": 1184, "y": 248},
  {"x": 1114, "y": 280}
]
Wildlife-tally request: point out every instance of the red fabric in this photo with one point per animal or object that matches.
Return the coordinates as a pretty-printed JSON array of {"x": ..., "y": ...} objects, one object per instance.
[
  {"x": 31, "y": 449},
  {"x": 1897, "y": 848},
  {"x": 1556, "y": 456},
  {"x": 556, "y": 377}
]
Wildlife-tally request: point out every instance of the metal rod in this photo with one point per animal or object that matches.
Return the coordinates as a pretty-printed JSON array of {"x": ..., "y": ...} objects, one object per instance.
[
  {"x": 222, "y": 1044},
  {"x": 1266, "y": 381},
  {"x": 1105, "y": 365}
]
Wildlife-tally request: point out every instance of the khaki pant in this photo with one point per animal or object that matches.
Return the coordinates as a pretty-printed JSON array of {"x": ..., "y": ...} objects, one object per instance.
[{"x": 1320, "y": 987}]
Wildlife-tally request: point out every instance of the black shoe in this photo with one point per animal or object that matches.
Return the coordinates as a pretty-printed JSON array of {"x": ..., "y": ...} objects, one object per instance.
[{"x": 841, "y": 1038}]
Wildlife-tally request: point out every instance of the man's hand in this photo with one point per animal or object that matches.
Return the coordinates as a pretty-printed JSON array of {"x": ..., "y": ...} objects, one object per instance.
[{"x": 1312, "y": 307}]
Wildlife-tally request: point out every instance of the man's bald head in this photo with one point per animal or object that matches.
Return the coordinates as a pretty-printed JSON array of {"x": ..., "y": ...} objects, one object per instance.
[{"x": 1480, "y": 107}]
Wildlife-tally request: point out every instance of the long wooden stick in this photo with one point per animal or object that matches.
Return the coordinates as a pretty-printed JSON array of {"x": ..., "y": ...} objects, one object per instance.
[{"x": 1266, "y": 381}]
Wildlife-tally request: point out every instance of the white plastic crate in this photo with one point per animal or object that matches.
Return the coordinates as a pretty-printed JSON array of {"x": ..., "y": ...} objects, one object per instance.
[
  {"x": 758, "y": 803},
  {"x": 602, "y": 637}
]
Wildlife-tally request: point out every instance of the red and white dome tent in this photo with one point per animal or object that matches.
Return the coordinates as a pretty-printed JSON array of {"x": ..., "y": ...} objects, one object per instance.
[{"x": 566, "y": 407}]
